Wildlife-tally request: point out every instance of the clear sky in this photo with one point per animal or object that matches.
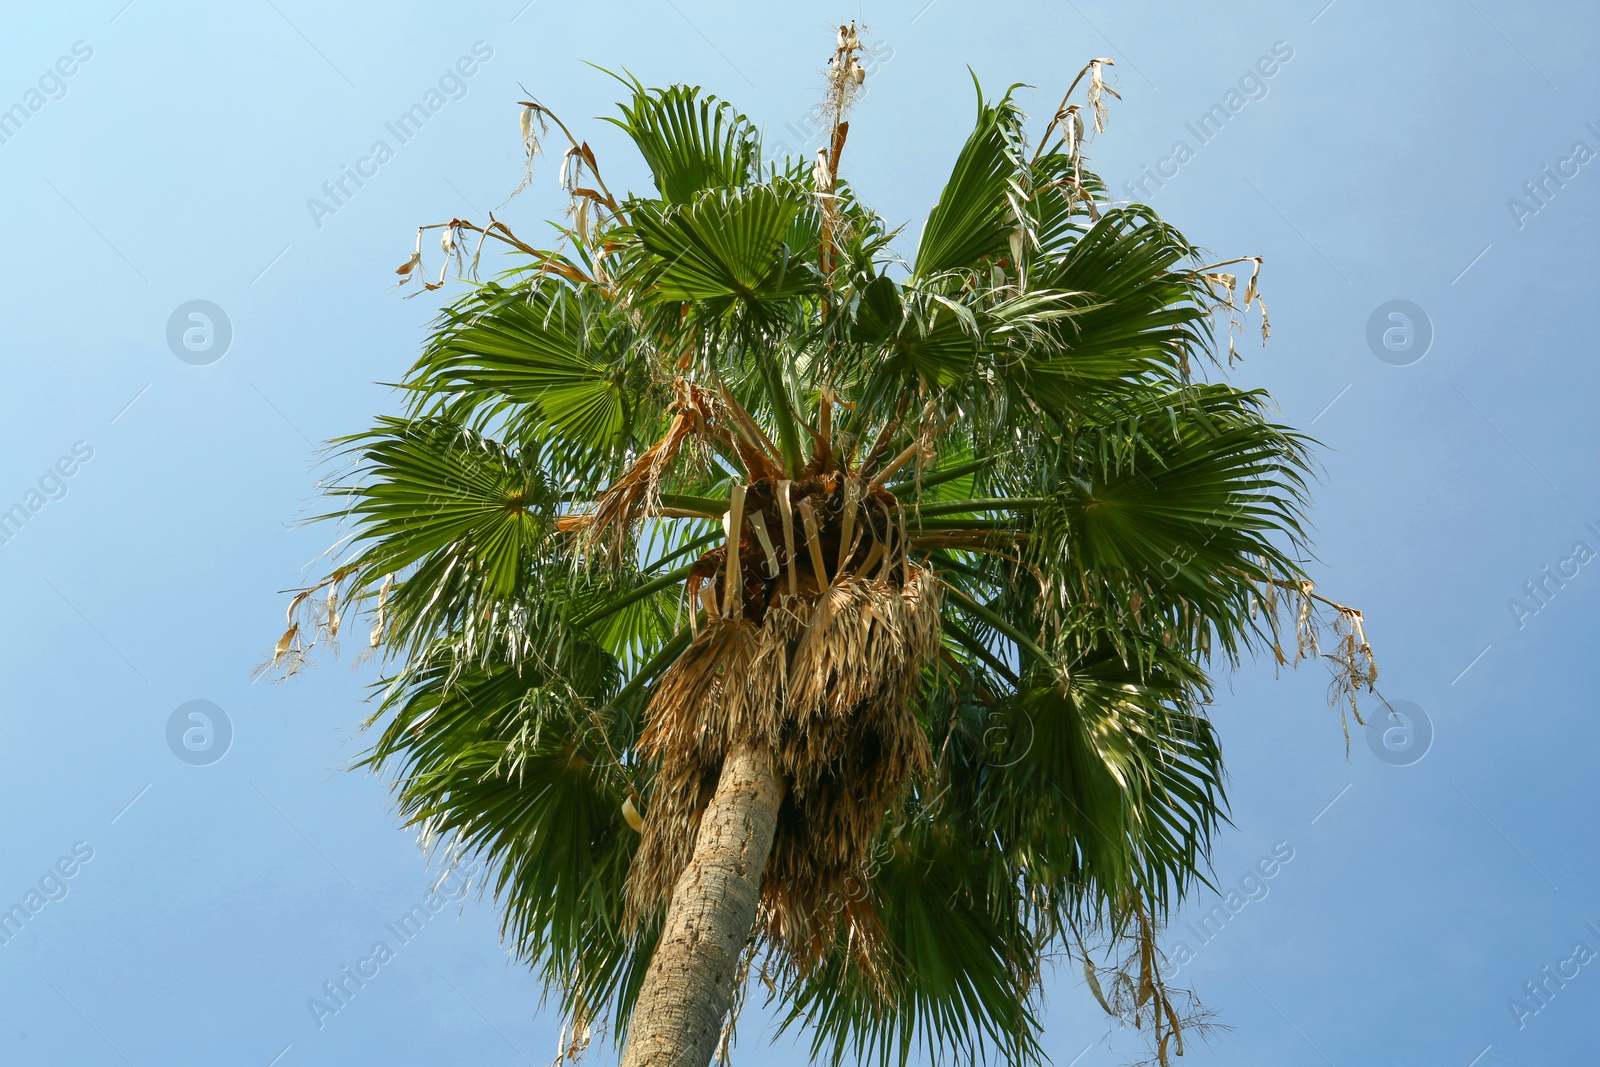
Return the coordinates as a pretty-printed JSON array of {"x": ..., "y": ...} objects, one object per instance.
[{"x": 165, "y": 152}]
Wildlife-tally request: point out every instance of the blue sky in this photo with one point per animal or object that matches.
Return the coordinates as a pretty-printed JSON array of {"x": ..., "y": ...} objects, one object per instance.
[{"x": 1387, "y": 157}]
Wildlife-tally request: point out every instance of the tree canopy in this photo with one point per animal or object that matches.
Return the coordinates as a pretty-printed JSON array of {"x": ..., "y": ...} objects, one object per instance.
[{"x": 1028, "y": 514}]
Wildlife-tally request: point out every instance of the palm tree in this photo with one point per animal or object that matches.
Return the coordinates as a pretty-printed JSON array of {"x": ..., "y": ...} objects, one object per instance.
[{"x": 759, "y": 601}]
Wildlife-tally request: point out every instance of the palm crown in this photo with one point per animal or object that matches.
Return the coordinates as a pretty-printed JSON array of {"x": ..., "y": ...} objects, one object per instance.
[{"x": 955, "y": 540}]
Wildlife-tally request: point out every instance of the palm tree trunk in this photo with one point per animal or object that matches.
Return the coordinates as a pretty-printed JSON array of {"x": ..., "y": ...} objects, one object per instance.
[{"x": 689, "y": 985}]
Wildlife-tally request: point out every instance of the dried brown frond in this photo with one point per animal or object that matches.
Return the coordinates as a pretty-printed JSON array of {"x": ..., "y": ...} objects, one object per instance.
[
  {"x": 636, "y": 493},
  {"x": 825, "y": 677},
  {"x": 1351, "y": 663},
  {"x": 1067, "y": 120},
  {"x": 1130, "y": 987},
  {"x": 533, "y": 126},
  {"x": 309, "y": 619},
  {"x": 1228, "y": 284},
  {"x": 454, "y": 246},
  {"x": 577, "y": 1032},
  {"x": 1095, "y": 96}
]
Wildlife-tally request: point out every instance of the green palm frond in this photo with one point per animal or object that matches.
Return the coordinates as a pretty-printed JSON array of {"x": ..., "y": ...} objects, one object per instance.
[
  {"x": 726, "y": 246},
  {"x": 979, "y": 209},
  {"x": 510, "y": 764},
  {"x": 445, "y": 522},
  {"x": 545, "y": 354},
  {"x": 1147, "y": 318},
  {"x": 958, "y": 980},
  {"x": 1113, "y": 782},
  {"x": 1180, "y": 512},
  {"x": 690, "y": 142}
]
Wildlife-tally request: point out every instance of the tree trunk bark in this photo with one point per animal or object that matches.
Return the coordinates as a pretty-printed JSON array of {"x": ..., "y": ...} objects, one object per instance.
[{"x": 689, "y": 985}]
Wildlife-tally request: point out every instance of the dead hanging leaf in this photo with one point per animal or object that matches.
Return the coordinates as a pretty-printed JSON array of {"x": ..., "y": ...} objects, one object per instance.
[
  {"x": 532, "y": 126},
  {"x": 380, "y": 619},
  {"x": 1070, "y": 121},
  {"x": 1094, "y": 985},
  {"x": 1097, "y": 89},
  {"x": 1072, "y": 134},
  {"x": 733, "y": 527},
  {"x": 1228, "y": 282},
  {"x": 331, "y": 616},
  {"x": 574, "y": 1038},
  {"x": 571, "y": 160},
  {"x": 1250, "y": 290},
  {"x": 759, "y": 524},
  {"x": 581, "y": 220},
  {"x": 1252, "y": 293},
  {"x": 411, "y": 265},
  {"x": 1071, "y": 129},
  {"x": 630, "y": 813},
  {"x": 285, "y": 643},
  {"x": 766, "y": 980},
  {"x": 786, "y": 514},
  {"x": 1176, "y": 1033},
  {"x": 295, "y": 602}
]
